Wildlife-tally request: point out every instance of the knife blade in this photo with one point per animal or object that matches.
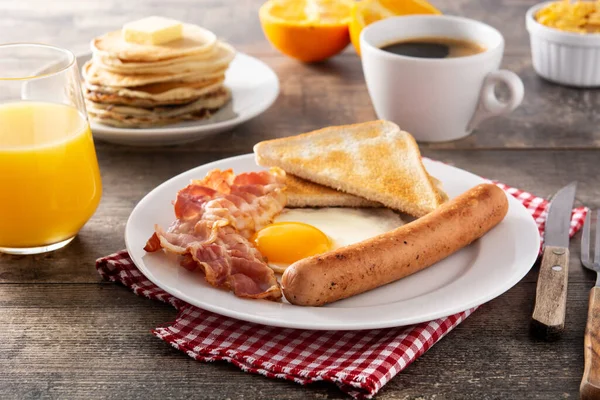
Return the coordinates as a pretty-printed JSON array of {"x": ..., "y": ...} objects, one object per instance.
[
  {"x": 558, "y": 222},
  {"x": 548, "y": 319}
]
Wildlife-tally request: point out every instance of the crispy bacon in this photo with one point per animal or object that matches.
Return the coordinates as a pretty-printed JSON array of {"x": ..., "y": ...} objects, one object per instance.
[
  {"x": 153, "y": 244},
  {"x": 216, "y": 217}
]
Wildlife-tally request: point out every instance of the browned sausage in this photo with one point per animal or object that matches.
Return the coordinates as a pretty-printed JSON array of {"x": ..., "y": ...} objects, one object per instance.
[{"x": 363, "y": 266}]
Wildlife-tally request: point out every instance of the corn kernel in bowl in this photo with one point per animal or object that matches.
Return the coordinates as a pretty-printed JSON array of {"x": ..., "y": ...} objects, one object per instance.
[{"x": 565, "y": 15}]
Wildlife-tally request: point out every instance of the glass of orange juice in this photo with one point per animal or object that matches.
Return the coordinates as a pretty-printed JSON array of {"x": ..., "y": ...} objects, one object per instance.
[{"x": 49, "y": 178}]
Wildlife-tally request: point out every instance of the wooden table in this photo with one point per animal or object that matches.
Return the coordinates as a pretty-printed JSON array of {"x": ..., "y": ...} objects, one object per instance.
[{"x": 65, "y": 333}]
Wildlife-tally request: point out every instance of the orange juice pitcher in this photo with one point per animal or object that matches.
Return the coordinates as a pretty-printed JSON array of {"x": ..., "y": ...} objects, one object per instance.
[{"x": 49, "y": 178}]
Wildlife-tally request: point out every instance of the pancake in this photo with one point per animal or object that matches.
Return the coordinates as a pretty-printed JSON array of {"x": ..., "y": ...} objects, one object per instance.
[
  {"x": 95, "y": 75},
  {"x": 211, "y": 101},
  {"x": 196, "y": 40},
  {"x": 139, "y": 117},
  {"x": 219, "y": 57},
  {"x": 155, "y": 94},
  {"x": 135, "y": 123},
  {"x": 113, "y": 60}
]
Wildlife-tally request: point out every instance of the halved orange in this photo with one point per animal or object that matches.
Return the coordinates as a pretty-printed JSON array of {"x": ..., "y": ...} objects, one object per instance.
[
  {"x": 308, "y": 30},
  {"x": 366, "y": 12}
]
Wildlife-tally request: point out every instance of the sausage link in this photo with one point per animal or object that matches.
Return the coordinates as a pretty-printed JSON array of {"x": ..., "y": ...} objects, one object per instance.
[{"x": 393, "y": 255}]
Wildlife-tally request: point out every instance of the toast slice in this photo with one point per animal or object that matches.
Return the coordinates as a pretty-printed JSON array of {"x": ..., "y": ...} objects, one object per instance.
[
  {"x": 374, "y": 160},
  {"x": 302, "y": 193}
]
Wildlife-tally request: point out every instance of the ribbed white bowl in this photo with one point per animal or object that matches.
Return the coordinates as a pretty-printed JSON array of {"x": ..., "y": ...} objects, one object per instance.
[{"x": 569, "y": 58}]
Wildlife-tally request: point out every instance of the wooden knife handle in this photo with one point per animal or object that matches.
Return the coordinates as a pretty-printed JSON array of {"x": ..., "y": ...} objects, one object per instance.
[
  {"x": 590, "y": 384},
  {"x": 548, "y": 320}
]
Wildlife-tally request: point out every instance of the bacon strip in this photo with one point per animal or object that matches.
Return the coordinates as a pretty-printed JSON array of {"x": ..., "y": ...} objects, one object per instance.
[{"x": 216, "y": 217}]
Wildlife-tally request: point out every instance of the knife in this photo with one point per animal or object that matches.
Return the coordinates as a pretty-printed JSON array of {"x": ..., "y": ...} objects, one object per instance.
[{"x": 548, "y": 319}]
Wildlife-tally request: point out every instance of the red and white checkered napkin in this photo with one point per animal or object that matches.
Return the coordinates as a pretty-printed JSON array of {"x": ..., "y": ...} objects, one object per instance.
[{"x": 359, "y": 362}]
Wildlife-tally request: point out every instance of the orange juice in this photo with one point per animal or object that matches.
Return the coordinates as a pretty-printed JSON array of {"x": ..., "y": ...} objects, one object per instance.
[{"x": 49, "y": 178}]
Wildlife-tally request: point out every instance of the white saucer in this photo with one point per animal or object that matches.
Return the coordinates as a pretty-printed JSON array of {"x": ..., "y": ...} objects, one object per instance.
[
  {"x": 468, "y": 278},
  {"x": 254, "y": 87}
]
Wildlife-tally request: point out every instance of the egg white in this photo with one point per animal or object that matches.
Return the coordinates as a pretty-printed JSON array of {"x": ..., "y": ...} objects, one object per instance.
[{"x": 343, "y": 226}]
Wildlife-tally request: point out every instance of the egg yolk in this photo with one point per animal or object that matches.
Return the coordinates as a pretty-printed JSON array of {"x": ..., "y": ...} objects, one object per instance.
[{"x": 288, "y": 242}]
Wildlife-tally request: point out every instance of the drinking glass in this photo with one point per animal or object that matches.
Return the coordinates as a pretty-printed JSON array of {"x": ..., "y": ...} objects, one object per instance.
[{"x": 49, "y": 178}]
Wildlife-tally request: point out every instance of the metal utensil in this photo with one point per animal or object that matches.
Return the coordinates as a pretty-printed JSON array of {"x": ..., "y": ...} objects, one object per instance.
[
  {"x": 590, "y": 383},
  {"x": 548, "y": 319}
]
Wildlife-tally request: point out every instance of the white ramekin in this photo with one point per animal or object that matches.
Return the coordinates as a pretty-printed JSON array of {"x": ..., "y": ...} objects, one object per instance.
[{"x": 569, "y": 58}]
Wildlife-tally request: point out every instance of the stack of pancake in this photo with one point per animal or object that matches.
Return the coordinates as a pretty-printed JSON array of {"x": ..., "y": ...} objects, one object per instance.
[{"x": 133, "y": 85}]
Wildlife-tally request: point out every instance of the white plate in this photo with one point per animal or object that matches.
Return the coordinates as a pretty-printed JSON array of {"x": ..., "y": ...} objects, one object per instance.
[
  {"x": 470, "y": 277},
  {"x": 254, "y": 87}
]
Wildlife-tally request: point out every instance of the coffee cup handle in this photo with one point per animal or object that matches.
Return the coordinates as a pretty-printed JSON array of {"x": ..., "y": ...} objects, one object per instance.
[{"x": 489, "y": 105}]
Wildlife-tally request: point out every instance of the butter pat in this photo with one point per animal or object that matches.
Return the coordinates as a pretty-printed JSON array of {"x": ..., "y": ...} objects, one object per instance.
[{"x": 152, "y": 31}]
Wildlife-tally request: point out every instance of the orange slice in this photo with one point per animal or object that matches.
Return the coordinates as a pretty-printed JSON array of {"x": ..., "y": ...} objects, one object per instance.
[
  {"x": 308, "y": 30},
  {"x": 366, "y": 12}
]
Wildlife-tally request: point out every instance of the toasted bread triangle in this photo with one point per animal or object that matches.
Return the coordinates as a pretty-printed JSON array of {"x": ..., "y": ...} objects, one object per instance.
[
  {"x": 374, "y": 160},
  {"x": 302, "y": 193}
]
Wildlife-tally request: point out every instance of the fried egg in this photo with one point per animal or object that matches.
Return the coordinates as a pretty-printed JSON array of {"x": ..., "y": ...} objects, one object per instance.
[{"x": 299, "y": 233}]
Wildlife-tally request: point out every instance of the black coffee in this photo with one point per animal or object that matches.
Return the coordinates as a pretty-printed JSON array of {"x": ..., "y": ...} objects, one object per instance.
[{"x": 434, "y": 47}]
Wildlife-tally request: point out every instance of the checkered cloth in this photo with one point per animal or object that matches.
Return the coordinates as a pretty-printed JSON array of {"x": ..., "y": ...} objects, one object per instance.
[{"x": 359, "y": 362}]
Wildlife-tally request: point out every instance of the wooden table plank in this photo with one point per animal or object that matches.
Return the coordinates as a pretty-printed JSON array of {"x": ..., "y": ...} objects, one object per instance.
[
  {"x": 67, "y": 341},
  {"x": 234, "y": 20}
]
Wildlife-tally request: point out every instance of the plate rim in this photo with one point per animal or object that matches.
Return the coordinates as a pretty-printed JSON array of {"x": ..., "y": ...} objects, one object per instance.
[
  {"x": 153, "y": 133},
  {"x": 335, "y": 325}
]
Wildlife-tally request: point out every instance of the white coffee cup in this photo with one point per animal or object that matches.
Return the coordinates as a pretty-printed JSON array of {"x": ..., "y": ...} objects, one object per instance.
[{"x": 436, "y": 99}]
